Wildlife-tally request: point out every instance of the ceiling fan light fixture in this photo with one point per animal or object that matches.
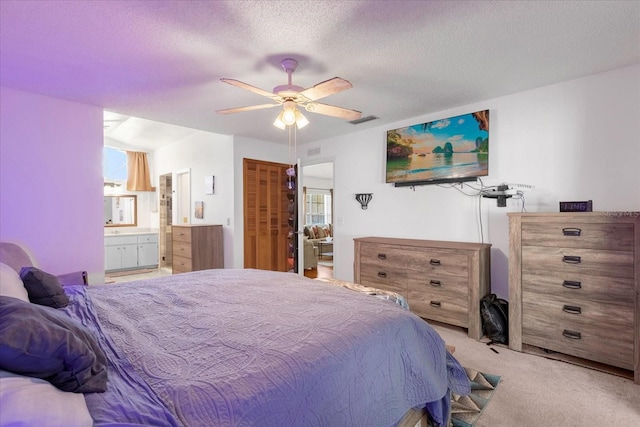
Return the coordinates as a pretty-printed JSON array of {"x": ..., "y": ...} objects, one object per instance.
[
  {"x": 293, "y": 98},
  {"x": 289, "y": 113},
  {"x": 301, "y": 120},
  {"x": 279, "y": 123},
  {"x": 288, "y": 117}
]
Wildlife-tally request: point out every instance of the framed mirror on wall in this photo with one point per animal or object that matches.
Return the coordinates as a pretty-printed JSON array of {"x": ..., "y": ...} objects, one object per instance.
[{"x": 120, "y": 211}]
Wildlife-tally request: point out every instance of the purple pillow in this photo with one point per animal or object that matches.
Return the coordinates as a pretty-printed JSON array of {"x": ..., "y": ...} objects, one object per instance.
[
  {"x": 42, "y": 342},
  {"x": 43, "y": 288}
]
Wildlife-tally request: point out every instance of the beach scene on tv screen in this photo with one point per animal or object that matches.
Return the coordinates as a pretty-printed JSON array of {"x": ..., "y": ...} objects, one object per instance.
[{"x": 456, "y": 147}]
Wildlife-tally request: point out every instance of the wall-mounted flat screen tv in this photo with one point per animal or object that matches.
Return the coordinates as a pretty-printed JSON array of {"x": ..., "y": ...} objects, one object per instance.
[{"x": 448, "y": 150}]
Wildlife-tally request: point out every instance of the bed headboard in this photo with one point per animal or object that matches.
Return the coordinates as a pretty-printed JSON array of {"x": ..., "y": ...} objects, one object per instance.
[{"x": 15, "y": 256}]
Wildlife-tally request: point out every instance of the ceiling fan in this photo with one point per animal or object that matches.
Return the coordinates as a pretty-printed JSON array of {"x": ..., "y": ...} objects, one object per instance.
[{"x": 291, "y": 96}]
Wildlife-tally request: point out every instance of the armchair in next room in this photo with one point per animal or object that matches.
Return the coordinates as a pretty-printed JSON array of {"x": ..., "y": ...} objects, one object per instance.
[{"x": 310, "y": 254}]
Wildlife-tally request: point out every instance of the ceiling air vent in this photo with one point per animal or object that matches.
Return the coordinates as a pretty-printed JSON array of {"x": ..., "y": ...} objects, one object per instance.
[{"x": 363, "y": 119}]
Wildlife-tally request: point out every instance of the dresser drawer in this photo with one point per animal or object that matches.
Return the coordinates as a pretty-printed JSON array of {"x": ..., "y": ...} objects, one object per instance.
[
  {"x": 569, "y": 261},
  {"x": 383, "y": 266},
  {"x": 442, "y": 307},
  {"x": 181, "y": 264},
  {"x": 442, "y": 263},
  {"x": 389, "y": 279},
  {"x": 181, "y": 234},
  {"x": 607, "y": 290},
  {"x": 600, "y": 332},
  {"x": 386, "y": 256},
  {"x": 182, "y": 249},
  {"x": 570, "y": 234},
  {"x": 437, "y": 284},
  {"x": 148, "y": 238}
]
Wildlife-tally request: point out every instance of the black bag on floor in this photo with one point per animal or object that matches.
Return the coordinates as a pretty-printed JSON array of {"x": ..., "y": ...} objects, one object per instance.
[{"x": 495, "y": 318}]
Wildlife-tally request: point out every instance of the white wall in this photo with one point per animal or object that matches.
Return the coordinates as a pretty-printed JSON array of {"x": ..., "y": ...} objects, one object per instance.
[
  {"x": 576, "y": 140},
  {"x": 51, "y": 181},
  {"x": 205, "y": 154}
]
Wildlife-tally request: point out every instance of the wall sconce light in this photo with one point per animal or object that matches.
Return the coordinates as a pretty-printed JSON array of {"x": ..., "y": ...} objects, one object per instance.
[{"x": 364, "y": 199}]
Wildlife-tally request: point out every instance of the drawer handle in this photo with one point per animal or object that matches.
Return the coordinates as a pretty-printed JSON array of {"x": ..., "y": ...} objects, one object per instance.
[
  {"x": 572, "y": 309},
  {"x": 569, "y": 231},
  {"x": 571, "y": 259},
  {"x": 435, "y": 304},
  {"x": 435, "y": 283},
  {"x": 572, "y": 334},
  {"x": 434, "y": 261},
  {"x": 382, "y": 256},
  {"x": 382, "y": 274},
  {"x": 571, "y": 284}
]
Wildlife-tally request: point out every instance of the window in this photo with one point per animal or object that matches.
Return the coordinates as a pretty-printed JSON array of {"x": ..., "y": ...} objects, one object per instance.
[
  {"x": 114, "y": 164},
  {"x": 317, "y": 206}
]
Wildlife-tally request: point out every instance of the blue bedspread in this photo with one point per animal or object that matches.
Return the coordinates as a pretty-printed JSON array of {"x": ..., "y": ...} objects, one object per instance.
[{"x": 260, "y": 348}]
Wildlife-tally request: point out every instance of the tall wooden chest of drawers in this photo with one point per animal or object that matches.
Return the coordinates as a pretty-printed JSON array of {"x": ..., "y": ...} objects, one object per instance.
[
  {"x": 574, "y": 284},
  {"x": 442, "y": 281},
  {"x": 196, "y": 247}
]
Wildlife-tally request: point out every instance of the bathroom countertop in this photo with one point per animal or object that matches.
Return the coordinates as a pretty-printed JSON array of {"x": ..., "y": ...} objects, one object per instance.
[{"x": 130, "y": 232}]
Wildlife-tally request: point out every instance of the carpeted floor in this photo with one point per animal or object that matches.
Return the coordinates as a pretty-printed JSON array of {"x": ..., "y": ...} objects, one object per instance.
[{"x": 465, "y": 410}]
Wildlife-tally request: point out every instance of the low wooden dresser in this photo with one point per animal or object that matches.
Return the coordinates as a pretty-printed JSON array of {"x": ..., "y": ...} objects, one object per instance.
[
  {"x": 442, "y": 281},
  {"x": 196, "y": 247},
  {"x": 573, "y": 287}
]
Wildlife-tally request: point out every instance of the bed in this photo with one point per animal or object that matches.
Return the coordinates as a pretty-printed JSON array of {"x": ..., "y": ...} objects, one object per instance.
[{"x": 251, "y": 347}]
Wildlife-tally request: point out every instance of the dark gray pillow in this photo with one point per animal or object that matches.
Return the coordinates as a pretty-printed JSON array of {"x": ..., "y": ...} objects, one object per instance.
[
  {"x": 42, "y": 342},
  {"x": 43, "y": 288}
]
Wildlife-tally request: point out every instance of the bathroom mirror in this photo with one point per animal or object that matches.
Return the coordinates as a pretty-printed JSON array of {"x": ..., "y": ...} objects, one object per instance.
[{"x": 120, "y": 211}]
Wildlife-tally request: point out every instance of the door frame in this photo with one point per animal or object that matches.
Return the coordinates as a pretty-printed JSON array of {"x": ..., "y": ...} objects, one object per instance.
[
  {"x": 301, "y": 202},
  {"x": 181, "y": 202}
]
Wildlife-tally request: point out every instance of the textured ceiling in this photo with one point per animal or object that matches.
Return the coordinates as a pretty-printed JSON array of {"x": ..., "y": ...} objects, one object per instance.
[{"x": 163, "y": 60}]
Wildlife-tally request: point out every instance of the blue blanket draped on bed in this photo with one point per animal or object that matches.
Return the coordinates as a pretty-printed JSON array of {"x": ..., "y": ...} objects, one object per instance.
[{"x": 252, "y": 347}]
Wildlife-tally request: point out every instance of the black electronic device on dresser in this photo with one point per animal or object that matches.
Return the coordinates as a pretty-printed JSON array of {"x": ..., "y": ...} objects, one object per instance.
[{"x": 577, "y": 206}]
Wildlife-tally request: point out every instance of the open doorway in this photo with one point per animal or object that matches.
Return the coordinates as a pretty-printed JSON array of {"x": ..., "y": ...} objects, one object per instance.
[
  {"x": 182, "y": 200},
  {"x": 317, "y": 220},
  {"x": 166, "y": 215}
]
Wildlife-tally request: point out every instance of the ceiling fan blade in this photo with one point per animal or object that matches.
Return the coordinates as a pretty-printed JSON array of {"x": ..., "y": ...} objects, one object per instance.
[
  {"x": 326, "y": 88},
  {"x": 250, "y": 108},
  {"x": 248, "y": 87},
  {"x": 331, "y": 110}
]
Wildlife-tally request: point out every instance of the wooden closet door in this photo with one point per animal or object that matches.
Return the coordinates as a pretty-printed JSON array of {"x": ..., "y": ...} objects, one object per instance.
[{"x": 265, "y": 215}]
